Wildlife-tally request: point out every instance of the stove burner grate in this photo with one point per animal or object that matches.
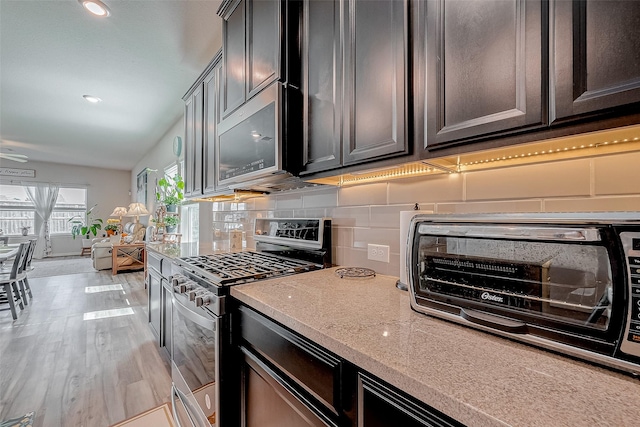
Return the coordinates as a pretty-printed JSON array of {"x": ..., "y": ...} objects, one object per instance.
[
  {"x": 355, "y": 273},
  {"x": 241, "y": 267}
]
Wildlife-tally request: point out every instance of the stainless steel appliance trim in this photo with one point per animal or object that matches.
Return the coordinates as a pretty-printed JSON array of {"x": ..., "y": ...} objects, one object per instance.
[
  {"x": 194, "y": 316},
  {"x": 537, "y": 218},
  {"x": 626, "y": 346},
  {"x": 532, "y": 339},
  {"x": 506, "y": 232},
  {"x": 176, "y": 393},
  {"x": 258, "y": 102}
]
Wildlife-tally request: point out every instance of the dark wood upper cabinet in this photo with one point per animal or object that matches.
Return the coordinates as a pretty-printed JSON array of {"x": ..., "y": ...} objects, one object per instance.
[
  {"x": 321, "y": 85},
  {"x": 201, "y": 117},
  {"x": 193, "y": 143},
  {"x": 253, "y": 42},
  {"x": 375, "y": 79},
  {"x": 263, "y": 41},
  {"x": 355, "y": 82},
  {"x": 485, "y": 68},
  {"x": 595, "y": 60},
  {"x": 233, "y": 52},
  {"x": 211, "y": 119}
]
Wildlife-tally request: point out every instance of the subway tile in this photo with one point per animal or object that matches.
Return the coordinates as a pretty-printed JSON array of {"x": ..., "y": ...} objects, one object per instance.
[
  {"x": 387, "y": 216},
  {"x": 350, "y": 217},
  {"x": 393, "y": 268},
  {"x": 325, "y": 198},
  {"x": 570, "y": 178},
  {"x": 593, "y": 204},
  {"x": 378, "y": 236},
  {"x": 361, "y": 195},
  {"x": 490, "y": 207},
  {"x": 264, "y": 203},
  {"x": 284, "y": 213},
  {"x": 616, "y": 174},
  {"x": 309, "y": 213},
  {"x": 342, "y": 236},
  {"x": 289, "y": 201},
  {"x": 440, "y": 188}
]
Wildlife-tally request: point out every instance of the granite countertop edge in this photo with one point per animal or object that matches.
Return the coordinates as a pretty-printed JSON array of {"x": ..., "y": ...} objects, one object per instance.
[{"x": 477, "y": 379}]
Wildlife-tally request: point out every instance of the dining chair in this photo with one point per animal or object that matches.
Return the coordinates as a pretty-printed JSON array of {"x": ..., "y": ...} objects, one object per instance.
[
  {"x": 25, "y": 288},
  {"x": 9, "y": 281}
]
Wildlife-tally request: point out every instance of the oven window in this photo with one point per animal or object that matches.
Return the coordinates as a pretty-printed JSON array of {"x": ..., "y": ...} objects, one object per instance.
[
  {"x": 567, "y": 283},
  {"x": 194, "y": 357}
]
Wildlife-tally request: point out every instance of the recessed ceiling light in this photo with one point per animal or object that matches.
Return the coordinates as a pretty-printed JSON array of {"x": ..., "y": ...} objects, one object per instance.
[
  {"x": 92, "y": 99},
  {"x": 96, "y": 7}
]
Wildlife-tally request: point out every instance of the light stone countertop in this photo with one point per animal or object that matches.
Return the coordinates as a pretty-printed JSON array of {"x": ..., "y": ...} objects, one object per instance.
[
  {"x": 474, "y": 377},
  {"x": 179, "y": 250}
]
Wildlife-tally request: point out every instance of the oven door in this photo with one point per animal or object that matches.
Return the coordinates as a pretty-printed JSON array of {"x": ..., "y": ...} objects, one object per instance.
[{"x": 194, "y": 364}]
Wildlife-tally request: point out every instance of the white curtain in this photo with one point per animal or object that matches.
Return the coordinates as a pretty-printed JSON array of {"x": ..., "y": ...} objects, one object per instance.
[{"x": 44, "y": 198}]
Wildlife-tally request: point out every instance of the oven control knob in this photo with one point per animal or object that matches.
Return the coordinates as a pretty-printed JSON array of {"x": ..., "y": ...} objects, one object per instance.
[
  {"x": 193, "y": 294},
  {"x": 178, "y": 279},
  {"x": 203, "y": 299},
  {"x": 184, "y": 287}
]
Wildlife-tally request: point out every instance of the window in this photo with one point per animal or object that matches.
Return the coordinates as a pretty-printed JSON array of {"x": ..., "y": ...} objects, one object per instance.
[{"x": 17, "y": 211}]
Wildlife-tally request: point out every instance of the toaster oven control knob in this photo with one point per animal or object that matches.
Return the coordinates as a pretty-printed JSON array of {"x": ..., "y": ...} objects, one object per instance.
[{"x": 203, "y": 299}]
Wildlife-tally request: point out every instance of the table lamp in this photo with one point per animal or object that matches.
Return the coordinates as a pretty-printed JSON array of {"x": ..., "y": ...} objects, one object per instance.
[
  {"x": 137, "y": 209},
  {"x": 119, "y": 211}
]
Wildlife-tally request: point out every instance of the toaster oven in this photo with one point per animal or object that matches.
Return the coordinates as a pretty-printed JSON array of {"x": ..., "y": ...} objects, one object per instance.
[{"x": 565, "y": 282}]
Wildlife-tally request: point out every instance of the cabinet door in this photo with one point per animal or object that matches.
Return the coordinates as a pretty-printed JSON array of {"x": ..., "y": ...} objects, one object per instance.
[
  {"x": 196, "y": 158},
  {"x": 210, "y": 127},
  {"x": 484, "y": 68},
  {"x": 380, "y": 406},
  {"x": 233, "y": 51},
  {"x": 155, "y": 304},
  {"x": 268, "y": 400},
  {"x": 375, "y": 80},
  {"x": 321, "y": 70},
  {"x": 166, "y": 317},
  {"x": 263, "y": 43},
  {"x": 595, "y": 61},
  {"x": 189, "y": 145}
]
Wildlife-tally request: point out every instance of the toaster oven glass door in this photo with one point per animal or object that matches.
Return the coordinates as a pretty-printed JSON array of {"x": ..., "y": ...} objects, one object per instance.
[{"x": 565, "y": 284}]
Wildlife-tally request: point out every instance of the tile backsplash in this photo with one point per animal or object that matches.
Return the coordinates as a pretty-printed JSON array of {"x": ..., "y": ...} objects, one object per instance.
[{"x": 370, "y": 213}]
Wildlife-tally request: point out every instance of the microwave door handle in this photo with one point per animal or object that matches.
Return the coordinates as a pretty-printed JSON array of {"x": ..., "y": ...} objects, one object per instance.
[{"x": 495, "y": 322}]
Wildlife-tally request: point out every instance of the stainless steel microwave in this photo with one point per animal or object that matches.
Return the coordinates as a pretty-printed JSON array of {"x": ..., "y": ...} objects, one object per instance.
[
  {"x": 252, "y": 147},
  {"x": 565, "y": 282}
]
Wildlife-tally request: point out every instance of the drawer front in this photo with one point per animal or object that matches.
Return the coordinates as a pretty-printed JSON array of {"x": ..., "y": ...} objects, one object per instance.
[
  {"x": 155, "y": 261},
  {"x": 313, "y": 368}
]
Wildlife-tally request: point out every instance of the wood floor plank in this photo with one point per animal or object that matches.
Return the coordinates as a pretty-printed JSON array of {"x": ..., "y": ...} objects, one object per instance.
[{"x": 76, "y": 372}]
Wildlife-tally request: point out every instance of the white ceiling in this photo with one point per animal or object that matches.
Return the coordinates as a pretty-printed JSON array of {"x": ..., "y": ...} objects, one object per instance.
[{"x": 140, "y": 61}]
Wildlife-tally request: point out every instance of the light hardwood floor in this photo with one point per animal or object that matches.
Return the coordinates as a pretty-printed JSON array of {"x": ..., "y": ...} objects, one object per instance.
[{"x": 76, "y": 372}]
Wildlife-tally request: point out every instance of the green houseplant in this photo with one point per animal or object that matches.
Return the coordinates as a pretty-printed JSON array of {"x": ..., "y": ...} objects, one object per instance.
[
  {"x": 171, "y": 222},
  {"x": 85, "y": 226},
  {"x": 170, "y": 191}
]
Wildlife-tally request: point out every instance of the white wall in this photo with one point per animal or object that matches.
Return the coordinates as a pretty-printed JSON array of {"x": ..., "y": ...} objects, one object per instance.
[{"x": 106, "y": 187}]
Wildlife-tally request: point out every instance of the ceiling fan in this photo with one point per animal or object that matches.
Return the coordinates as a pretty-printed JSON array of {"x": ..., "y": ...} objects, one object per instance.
[{"x": 15, "y": 157}]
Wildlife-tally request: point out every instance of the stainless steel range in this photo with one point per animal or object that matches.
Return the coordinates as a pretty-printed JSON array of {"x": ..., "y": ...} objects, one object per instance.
[{"x": 200, "y": 325}]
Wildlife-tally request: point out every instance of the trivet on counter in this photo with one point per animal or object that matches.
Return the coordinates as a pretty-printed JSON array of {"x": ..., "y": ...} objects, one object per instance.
[{"x": 355, "y": 273}]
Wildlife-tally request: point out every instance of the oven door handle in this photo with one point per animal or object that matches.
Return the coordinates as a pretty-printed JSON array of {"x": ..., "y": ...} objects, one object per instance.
[
  {"x": 176, "y": 394},
  {"x": 495, "y": 322},
  {"x": 196, "y": 318}
]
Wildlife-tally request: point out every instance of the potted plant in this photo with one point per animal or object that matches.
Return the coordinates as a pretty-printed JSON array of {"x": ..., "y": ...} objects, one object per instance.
[
  {"x": 171, "y": 222},
  {"x": 170, "y": 191},
  {"x": 85, "y": 226},
  {"x": 111, "y": 229}
]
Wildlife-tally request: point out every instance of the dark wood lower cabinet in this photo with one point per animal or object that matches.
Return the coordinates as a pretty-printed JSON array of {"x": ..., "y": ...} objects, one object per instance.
[
  {"x": 381, "y": 406},
  {"x": 269, "y": 400},
  {"x": 286, "y": 380}
]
